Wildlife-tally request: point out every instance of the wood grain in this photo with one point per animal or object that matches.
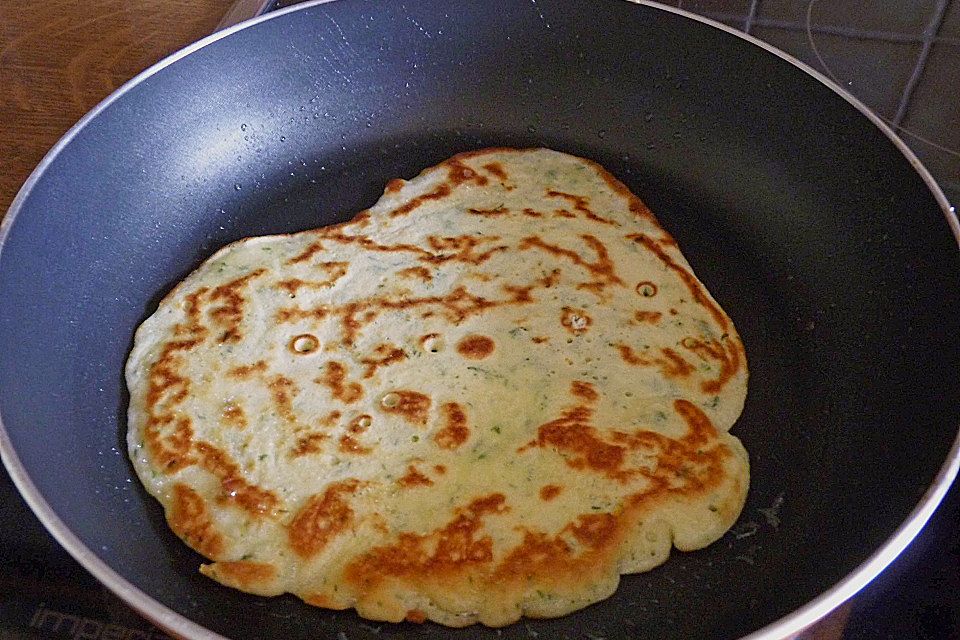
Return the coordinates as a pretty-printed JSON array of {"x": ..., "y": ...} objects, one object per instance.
[{"x": 59, "y": 58}]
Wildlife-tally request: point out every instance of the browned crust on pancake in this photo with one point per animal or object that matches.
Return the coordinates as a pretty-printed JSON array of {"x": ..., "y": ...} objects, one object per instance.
[
  {"x": 552, "y": 561},
  {"x": 414, "y": 478},
  {"x": 438, "y": 193},
  {"x": 334, "y": 270},
  {"x": 670, "y": 363},
  {"x": 416, "y": 616},
  {"x": 576, "y": 321},
  {"x": 229, "y": 313},
  {"x": 168, "y": 436},
  {"x": 310, "y": 443},
  {"x": 651, "y": 317},
  {"x": 323, "y": 517},
  {"x": 584, "y": 390},
  {"x": 242, "y": 574},
  {"x": 459, "y": 173},
  {"x": 688, "y": 467},
  {"x": 234, "y": 415},
  {"x": 412, "y": 406},
  {"x": 335, "y": 378},
  {"x": 235, "y": 489},
  {"x": 438, "y": 556},
  {"x": 312, "y": 249},
  {"x": 581, "y": 444},
  {"x": 461, "y": 249},
  {"x": 283, "y": 390},
  {"x": 383, "y": 356},
  {"x": 550, "y": 491},
  {"x": 602, "y": 269},
  {"x": 490, "y": 213},
  {"x": 496, "y": 170},
  {"x": 247, "y": 370},
  {"x": 475, "y": 347},
  {"x": 455, "y": 430},
  {"x": 349, "y": 444},
  {"x": 189, "y": 518},
  {"x": 726, "y": 354},
  {"x": 421, "y": 273},
  {"x": 581, "y": 204}
]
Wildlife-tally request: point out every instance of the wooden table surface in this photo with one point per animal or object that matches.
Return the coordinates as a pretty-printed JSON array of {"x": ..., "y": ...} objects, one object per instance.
[{"x": 59, "y": 58}]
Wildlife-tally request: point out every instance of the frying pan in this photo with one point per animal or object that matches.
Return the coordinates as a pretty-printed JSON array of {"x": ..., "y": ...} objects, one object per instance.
[{"x": 816, "y": 229}]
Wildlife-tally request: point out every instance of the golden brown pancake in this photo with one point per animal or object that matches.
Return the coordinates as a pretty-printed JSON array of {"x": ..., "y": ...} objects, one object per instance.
[{"x": 487, "y": 396}]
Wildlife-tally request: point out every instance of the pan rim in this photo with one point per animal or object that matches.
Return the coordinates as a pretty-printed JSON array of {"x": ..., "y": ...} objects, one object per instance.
[{"x": 167, "y": 619}]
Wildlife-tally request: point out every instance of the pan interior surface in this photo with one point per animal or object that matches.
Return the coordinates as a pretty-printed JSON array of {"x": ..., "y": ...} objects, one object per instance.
[{"x": 803, "y": 219}]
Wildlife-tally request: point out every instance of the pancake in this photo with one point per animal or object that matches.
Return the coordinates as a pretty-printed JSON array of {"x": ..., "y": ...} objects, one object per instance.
[{"x": 487, "y": 396}]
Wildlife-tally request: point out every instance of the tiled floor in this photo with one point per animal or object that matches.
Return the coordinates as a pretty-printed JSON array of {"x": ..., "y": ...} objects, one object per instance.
[{"x": 902, "y": 59}]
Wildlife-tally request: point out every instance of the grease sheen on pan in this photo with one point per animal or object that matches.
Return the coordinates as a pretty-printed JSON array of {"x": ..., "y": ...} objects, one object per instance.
[{"x": 487, "y": 396}]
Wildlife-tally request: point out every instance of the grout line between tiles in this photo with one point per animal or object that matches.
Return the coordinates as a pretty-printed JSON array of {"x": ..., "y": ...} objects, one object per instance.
[
  {"x": 846, "y": 32},
  {"x": 751, "y": 15},
  {"x": 929, "y": 33}
]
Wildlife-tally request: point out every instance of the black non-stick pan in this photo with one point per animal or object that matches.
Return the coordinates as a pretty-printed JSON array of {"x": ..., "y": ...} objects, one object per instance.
[{"x": 815, "y": 228}]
